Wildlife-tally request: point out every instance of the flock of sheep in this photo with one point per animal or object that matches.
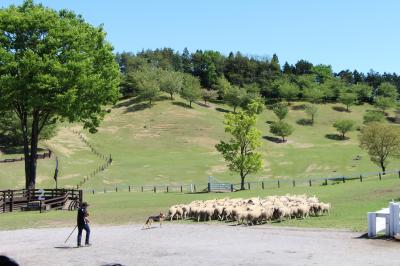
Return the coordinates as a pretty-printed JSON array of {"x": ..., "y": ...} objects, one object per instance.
[{"x": 251, "y": 211}]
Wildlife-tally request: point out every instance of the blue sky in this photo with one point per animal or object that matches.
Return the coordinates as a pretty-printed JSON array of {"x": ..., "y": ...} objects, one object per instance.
[{"x": 361, "y": 34}]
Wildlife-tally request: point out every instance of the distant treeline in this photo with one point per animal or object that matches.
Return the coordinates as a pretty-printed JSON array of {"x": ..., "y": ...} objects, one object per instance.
[{"x": 302, "y": 80}]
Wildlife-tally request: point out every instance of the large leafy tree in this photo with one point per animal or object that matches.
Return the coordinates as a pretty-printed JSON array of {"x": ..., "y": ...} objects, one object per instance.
[
  {"x": 363, "y": 91},
  {"x": 281, "y": 129},
  {"x": 373, "y": 116},
  {"x": 147, "y": 82},
  {"x": 311, "y": 110},
  {"x": 381, "y": 141},
  {"x": 53, "y": 66},
  {"x": 389, "y": 90},
  {"x": 171, "y": 82},
  {"x": 348, "y": 99},
  {"x": 343, "y": 126},
  {"x": 280, "y": 110},
  {"x": 383, "y": 103},
  {"x": 235, "y": 97},
  {"x": 240, "y": 150},
  {"x": 288, "y": 90},
  {"x": 191, "y": 90}
]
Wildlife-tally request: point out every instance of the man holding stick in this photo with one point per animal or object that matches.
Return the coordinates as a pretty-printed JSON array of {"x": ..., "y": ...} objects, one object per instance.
[{"x": 83, "y": 224}]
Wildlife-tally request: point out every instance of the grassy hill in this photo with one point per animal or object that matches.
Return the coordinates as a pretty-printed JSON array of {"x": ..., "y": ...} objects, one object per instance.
[{"x": 170, "y": 143}]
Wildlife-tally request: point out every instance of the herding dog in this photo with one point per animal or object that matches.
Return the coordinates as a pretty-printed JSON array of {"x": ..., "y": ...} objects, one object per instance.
[{"x": 158, "y": 218}]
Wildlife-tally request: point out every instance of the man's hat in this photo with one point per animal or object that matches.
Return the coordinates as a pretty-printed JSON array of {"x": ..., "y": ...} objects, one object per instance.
[{"x": 84, "y": 204}]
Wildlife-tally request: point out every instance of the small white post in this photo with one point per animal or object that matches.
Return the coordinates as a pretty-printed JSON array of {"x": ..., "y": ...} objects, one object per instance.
[
  {"x": 396, "y": 218},
  {"x": 391, "y": 219},
  {"x": 371, "y": 224},
  {"x": 387, "y": 225}
]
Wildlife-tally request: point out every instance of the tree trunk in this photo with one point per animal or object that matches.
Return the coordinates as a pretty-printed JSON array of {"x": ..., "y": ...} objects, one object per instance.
[
  {"x": 171, "y": 96},
  {"x": 33, "y": 153},
  {"x": 312, "y": 119},
  {"x": 343, "y": 137},
  {"x": 383, "y": 167},
  {"x": 283, "y": 139},
  {"x": 242, "y": 181},
  {"x": 234, "y": 109},
  {"x": 347, "y": 107},
  {"x": 190, "y": 104},
  {"x": 24, "y": 127}
]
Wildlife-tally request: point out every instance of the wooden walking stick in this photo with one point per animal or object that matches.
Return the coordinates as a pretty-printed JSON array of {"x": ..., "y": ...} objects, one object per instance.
[{"x": 70, "y": 234}]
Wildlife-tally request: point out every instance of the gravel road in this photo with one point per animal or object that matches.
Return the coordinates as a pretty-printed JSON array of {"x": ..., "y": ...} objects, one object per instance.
[{"x": 198, "y": 244}]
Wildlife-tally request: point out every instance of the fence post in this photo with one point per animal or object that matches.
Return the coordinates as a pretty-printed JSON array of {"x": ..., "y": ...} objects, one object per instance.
[
  {"x": 209, "y": 187},
  {"x": 294, "y": 183},
  {"x": 129, "y": 188},
  {"x": 262, "y": 184},
  {"x": 380, "y": 176},
  {"x": 142, "y": 188},
  {"x": 181, "y": 189},
  {"x": 12, "y": 201},
  {"x": 4, "y": 201},
  {"x": 344, "y": 180},
  {"x": 361, "y": 178},
  {"x": 194, "y": 188},
  {"x": 399, "y": 174},
  {"x": 93, "y": 191},
  {"x": 167, "y": 189},
  {"x": 248, "y": 185},
  {"x": 326, "y": 182},
  {"x": 279, "y": 184},
  {"x": 310, "y": 182},
  {"x": 231, "y": 187},
  {"x": 155, "y": 189},
  {"x": 80, "y": 196},
  {"x": 104, "y": 190},
  {"x": 116, "y": 189}
]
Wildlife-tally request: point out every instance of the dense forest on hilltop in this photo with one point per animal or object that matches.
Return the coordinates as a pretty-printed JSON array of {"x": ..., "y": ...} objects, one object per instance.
[{"x": 303, "y": 80}]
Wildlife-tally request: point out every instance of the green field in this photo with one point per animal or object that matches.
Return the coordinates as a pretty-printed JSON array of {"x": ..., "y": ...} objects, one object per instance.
[
  {"x": 172, "y": 144},
  {"x": 350, "y": 204}
]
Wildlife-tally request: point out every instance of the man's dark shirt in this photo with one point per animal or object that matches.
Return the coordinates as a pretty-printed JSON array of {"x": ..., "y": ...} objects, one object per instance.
[{"x": 82, "y": 214}]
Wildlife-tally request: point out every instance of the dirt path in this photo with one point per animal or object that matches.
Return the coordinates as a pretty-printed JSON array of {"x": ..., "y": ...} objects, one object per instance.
[{"x": 198, "y": 244}]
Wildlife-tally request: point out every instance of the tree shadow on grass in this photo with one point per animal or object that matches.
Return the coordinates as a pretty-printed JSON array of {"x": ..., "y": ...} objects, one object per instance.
[
  {"x": 335, "y": 137},
  {"x": 298, "y": 107},
  {"x": 181, "y": 104},
  {"x": 222, "y": 110},
  {"x": 127, "y": 103},
  {"x": 6, "y": 149},
  {"x": 340, "y": 109},
  {"x": 304, "y": 122},
  {"x": 137, "y": 107},
  {"x": 391, "y": 119},
  {"x": 273, "y": 139},
  {"x": 203, "y": 105}
]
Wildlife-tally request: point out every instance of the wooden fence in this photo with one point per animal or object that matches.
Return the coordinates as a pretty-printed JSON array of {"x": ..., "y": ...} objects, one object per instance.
[
  {"x": 101, "y": 168},
  {"x": 256, "y": 185},
  {"x": 38, "y": 156},
  {"x": 39, "y": 199}
]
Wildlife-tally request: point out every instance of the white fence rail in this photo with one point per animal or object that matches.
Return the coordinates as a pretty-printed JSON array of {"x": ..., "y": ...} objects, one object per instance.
[{"x": 387, "y": 219}]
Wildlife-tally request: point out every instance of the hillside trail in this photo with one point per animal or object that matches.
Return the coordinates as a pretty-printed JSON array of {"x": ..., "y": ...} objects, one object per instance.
[{"x": 198, "y": 244}]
